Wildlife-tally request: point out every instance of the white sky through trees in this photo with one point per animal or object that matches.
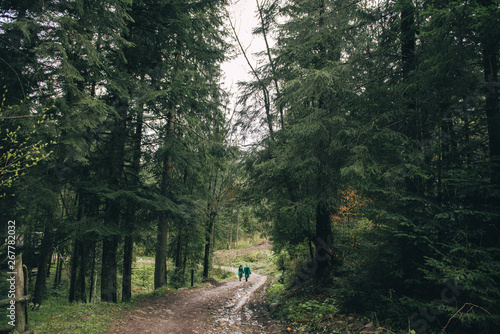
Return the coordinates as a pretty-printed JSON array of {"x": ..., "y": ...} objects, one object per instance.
[{"x": 243, "y": 14}]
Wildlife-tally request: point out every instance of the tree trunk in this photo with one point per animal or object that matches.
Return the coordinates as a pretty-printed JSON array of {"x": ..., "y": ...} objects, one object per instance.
[
  {"x": 237, "y": 224},
  {"x": 163, "y": 222},
  {"x": 178, "y": 250},
  {"x": 92, "y": 272},
  {"x": 113, "y": 206},
  {"x": 161, "y": 252},
  {"x": 43, "y": 264},
  {"x": 408, "y": 37},
  {"x": 490, "y": 66},
  {"x": 109, "y": 269},
  {"x": 60, "y": 269},
  {"x": 231, "y": 235},
  {"x": 208, "y": 245},
  {"x": 57, "y": 276},
  {"x": 271, "y": 64},
  {"x": 74, "y": 270},
  {"x": 80, "y": 279},
  {"x": 324, "y": 240},
  {"x": 128, "y": 249},
  {"x": 130, "y": 223}
]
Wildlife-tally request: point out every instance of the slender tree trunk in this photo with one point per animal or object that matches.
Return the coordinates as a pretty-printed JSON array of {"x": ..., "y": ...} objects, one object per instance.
[
  {"x": 231, "y": 235},
  {"x": 109, "y": 269},
  {"x": 179, "y": 278},
  {"x": 43, "y": 265},
  {"x": 490, "y": 66},
  {"x": 50, "y": 264},
  {"x": 61, "y": 262},
  {"x": 80, "y": 279},
  {"x": 128, "y": 249},
  {"x": 490, "y": 45},
  {"x": 408, "y": 37},
  {"x": 113, "y": 217},
  {"x": 92, "y": 272},
  {"x": 160, "y": 276},
  {"x": 178, "y": 250},
  {"x": 208, "y": 245},
  {"x": 130, "y": 223},
  {"x": 263, "y": 87},
  {"x": 324, "y": 239},
  {"x": 237, "y": 224},
  {"x": 311, "y": 250},
  {"x": 267, "y": 107},
  {"x": 271, "y": 63},
  {"x": 184, "y": 263},
  {"x": 57, "y": 276},
  {"x": 75, "y": 259}
]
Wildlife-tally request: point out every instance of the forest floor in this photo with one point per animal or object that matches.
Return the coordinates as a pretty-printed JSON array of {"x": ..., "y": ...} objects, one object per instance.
[{"x": 219, "y": 307}]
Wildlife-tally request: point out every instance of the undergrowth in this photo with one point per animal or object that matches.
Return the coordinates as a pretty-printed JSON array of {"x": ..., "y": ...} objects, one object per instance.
[{"x": 58, "y": 315}]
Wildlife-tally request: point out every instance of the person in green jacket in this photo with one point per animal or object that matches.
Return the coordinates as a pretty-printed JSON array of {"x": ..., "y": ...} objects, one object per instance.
[
  {"x": 240, "y": 272},
  {"x": 247, "y": 272}
]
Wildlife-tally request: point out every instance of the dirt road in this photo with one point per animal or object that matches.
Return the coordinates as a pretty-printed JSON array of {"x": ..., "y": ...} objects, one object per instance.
[{"x": 227, "y": 307}]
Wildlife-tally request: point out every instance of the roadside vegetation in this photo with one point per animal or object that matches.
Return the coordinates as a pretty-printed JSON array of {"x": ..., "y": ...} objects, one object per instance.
[{"x": 58, "y": 315}]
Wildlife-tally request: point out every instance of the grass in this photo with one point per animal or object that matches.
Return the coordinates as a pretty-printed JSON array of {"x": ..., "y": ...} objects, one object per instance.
[{"x": 57, "y": 315}]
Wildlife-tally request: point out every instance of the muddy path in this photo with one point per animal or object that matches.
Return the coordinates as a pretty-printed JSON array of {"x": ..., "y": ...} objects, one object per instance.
[{"x": 221, "y": 307}]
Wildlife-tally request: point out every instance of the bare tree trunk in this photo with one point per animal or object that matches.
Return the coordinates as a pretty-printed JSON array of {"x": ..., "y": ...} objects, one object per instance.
[
  {"x": 128, "y": 248},
  {"x": 109, "y": 272},
  {"x": 160, "y": 276},
  {"x": 43, "y": 264},
  {"x": 231, "y": 235},
  {"x": 80, "y": 279},
  {"x": 408, "y": 37},
  {"x": 77, "y": 277},
  {"x": 208, "y": 245},
  {"x": 178, "y": 250},
  {"x": 58, "y": 270},
  {"x": 109, "y": 269},
  {"x": 161, "y": 252},
  {"x": 237, "y": 224},
  {"x": 262, "y": 85},
  {"x": 323, "y": 240},
  {"x": 490, "y": 66},
  {"x": 271, "y": 63},
  {"x": 92, "y": 272}
]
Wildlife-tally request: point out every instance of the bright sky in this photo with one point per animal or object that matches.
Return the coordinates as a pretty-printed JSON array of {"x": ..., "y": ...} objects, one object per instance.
[
  {"x": 244, "y": 17},
  {"x": 243, "y": 14}
]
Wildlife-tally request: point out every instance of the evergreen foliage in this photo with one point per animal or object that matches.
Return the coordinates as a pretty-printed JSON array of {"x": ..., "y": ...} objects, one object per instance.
[
  {"x": 134, "y": 121},
  {"x": 375, "y": 171},
  {"x": 392, "y": 100}
]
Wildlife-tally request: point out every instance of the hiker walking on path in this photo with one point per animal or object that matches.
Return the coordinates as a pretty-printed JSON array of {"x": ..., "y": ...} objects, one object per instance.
[
  {"x": 240, "y": 272},
  {"x": 247, "y": 272}
]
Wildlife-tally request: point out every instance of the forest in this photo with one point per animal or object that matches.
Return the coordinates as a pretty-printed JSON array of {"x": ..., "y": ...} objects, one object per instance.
[{"x": 365, "y": 147}]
